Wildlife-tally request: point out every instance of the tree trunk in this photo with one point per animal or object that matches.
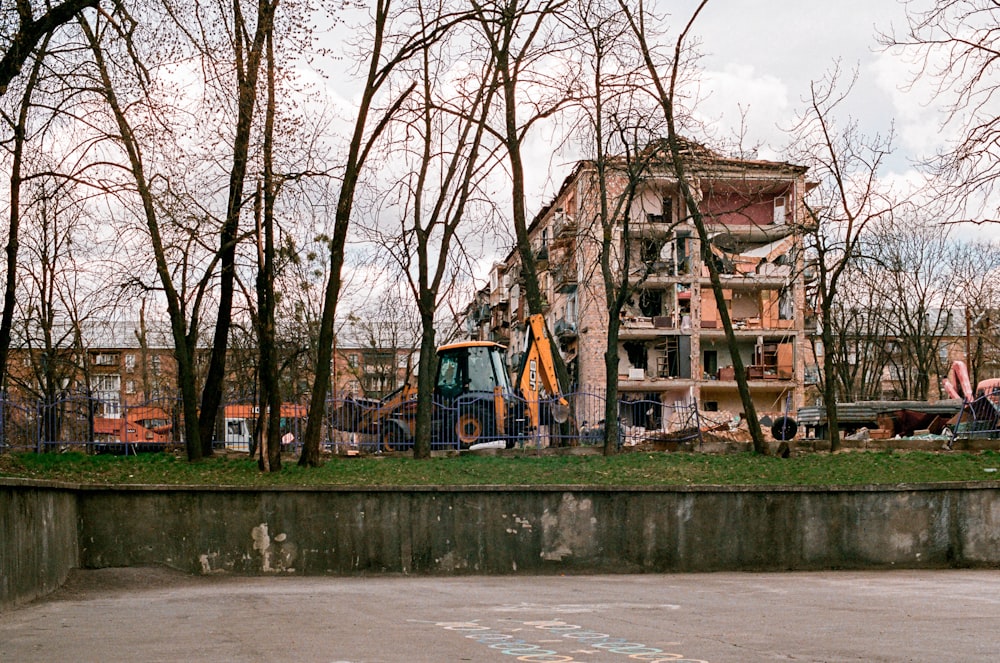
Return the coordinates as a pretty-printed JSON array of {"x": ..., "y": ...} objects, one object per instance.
[
  {"x": 270, "y": 401},
  {"x": 829, "y": 377},
  {"x": 211, "y": 397},
  {"x": 612, "y": 426},
  {"x": 13, "y": 227},
  {"x": 425, "y": 389}
]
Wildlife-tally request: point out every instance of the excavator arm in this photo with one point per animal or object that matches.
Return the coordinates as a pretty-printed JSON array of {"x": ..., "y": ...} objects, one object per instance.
[{"x": 537, "y": 379}]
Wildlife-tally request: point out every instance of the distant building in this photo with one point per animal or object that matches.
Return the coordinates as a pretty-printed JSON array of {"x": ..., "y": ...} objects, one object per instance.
[
  {"x": 371, "y": 372},
  {"x": 113, "y": 361}
]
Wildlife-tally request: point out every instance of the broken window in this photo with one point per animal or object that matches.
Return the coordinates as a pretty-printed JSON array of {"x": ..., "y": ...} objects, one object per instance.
[
  {"x": 675, "y": 358},
  {"x": 636, "y": 353},
  {"x": 650, "y": 250},
  {"x": 666, "y": 214},
  {"x": 651, "y": 303},
  {"x": 786, "y": 305}
]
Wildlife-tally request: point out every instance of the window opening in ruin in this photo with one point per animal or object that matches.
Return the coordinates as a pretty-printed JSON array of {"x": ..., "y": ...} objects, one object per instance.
[
  {"x": 636, "y": 353},
  {"x": 650, "y": 250},
  {"x": 651, "y": 302},
  {"x": 683, "y": 262},
  {"x": 786, "y": 305},
  {"x": 666, "y": 214},
  {"x": 673, "y": 361},
  {"x": 710, "y": 362}
]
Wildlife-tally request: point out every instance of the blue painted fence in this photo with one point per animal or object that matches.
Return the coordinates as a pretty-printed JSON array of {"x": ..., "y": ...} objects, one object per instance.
[{"x": 79, "y": 421}]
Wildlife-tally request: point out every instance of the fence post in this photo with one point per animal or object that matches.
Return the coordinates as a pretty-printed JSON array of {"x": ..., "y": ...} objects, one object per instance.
[{"x": 697, "y": 421}]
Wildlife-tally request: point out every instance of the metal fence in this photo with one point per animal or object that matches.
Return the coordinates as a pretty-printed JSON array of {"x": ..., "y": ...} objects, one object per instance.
[
  {"x": 89, "y": 423},
  {"x": 84, "y": 422},
  {"x": 359, "y": 426},
  {"x": 979, "y": 418}
]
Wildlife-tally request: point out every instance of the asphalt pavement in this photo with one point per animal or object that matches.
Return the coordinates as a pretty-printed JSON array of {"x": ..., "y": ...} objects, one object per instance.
[{"x": 159, "y": 615}]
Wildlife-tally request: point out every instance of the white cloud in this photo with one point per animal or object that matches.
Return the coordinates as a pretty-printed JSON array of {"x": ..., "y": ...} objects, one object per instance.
[
  {"x": 914, "y": 108},
  {"x": 739, "y": 94}
]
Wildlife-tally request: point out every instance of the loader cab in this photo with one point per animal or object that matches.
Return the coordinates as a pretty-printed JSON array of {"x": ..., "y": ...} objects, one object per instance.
[
  {"x": 474, "y": 407},
  {"x": 472, "y": 367}
]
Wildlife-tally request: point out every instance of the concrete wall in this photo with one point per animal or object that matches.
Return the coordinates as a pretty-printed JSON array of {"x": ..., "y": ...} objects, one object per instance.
[
  {"x": 489, "y": 530},
  {"x": 485, "y": 530},
  {"x": 38, "y": 539}
]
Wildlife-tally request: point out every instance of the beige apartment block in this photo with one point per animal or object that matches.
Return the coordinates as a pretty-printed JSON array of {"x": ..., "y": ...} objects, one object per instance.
[{"x": 672, "y": 347}]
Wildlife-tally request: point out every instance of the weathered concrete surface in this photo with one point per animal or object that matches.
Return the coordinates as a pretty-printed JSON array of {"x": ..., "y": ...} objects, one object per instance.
[
  {"x": 46, "y": 530},
  {"x": 141, "y": 615},
  {"x": 537, "y": 530},
  {"x": 38, "y": 540}
]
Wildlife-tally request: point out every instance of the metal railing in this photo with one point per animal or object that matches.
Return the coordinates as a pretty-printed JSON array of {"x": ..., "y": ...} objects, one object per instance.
[
  {"x": 85, "y": 422},
  {"x": 351, "y": 426},
  {"x": 979, "y": 418}
]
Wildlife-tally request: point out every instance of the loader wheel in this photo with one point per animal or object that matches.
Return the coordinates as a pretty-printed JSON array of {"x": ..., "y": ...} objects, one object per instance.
[
  {"x": 394, "y": 438},
  {"x": 784, "y": 428},
  {"x": 469, "y": 429}
]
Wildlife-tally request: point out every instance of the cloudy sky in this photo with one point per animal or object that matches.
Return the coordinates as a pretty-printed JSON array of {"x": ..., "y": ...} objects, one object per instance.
[
  {"x": 763, "y": 54},
  {"x": 759, "y": 57},
  {"x": 758, "y": 60}
]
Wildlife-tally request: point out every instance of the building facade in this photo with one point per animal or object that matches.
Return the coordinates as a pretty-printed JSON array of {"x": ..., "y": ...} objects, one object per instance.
[{"x": 672, "y": 347}]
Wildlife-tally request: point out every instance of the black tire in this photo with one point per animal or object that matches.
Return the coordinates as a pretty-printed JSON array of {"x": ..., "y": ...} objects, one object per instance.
[
  {"x": 394, "y": 437},
  {"x": 470, "y": 429},
  {"x": 784, "y": 428},
  {"x": 474, "y": 425}
]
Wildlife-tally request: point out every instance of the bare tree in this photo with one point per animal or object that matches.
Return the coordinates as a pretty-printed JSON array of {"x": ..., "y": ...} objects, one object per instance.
[
  {"x": 26, "y": 25},
  {"x": 846, "y": 164},
  {"x": 269, "y": 403},
  {"x": 955, "y": 45},
  {"x": 446, "y": 164},
  {"x": 858, "y": 347},
  {"x": 392, "y": 42},
  {"x": 620, "y": 131},
  {"x": 913, "y": 271},
  {"x": 19, "y": 126},
  {"x": 185, "y": 337},
  {"x": 523, "y": 38},
  {"x": 975, "y": 265},
  {"x": 156, "y": 191},
  {"x": 54, "y": 304},
  {"x": 249, "y": 37},
  {"x": 666, "y": 93},
  {"x": 385, "y": 334}
]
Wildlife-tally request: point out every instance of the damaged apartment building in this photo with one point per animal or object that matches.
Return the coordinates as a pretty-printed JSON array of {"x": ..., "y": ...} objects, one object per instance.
[{"x": 672, "y": 348}]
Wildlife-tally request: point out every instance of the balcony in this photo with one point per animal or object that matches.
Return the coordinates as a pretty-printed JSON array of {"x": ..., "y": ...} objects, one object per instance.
[
  {"x": 542, "y": 258},
  {"x": 564, "y": 329},
  {"x": 563, "y": 226},
  {"x": 564, "y": 278}
]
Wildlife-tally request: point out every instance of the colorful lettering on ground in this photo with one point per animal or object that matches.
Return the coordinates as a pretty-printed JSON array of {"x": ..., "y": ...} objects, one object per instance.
[{"x": 561, "y": 643}]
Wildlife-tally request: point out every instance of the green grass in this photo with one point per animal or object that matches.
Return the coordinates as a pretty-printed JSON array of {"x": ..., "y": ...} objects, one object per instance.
[{"x": 627, "y": 469}]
